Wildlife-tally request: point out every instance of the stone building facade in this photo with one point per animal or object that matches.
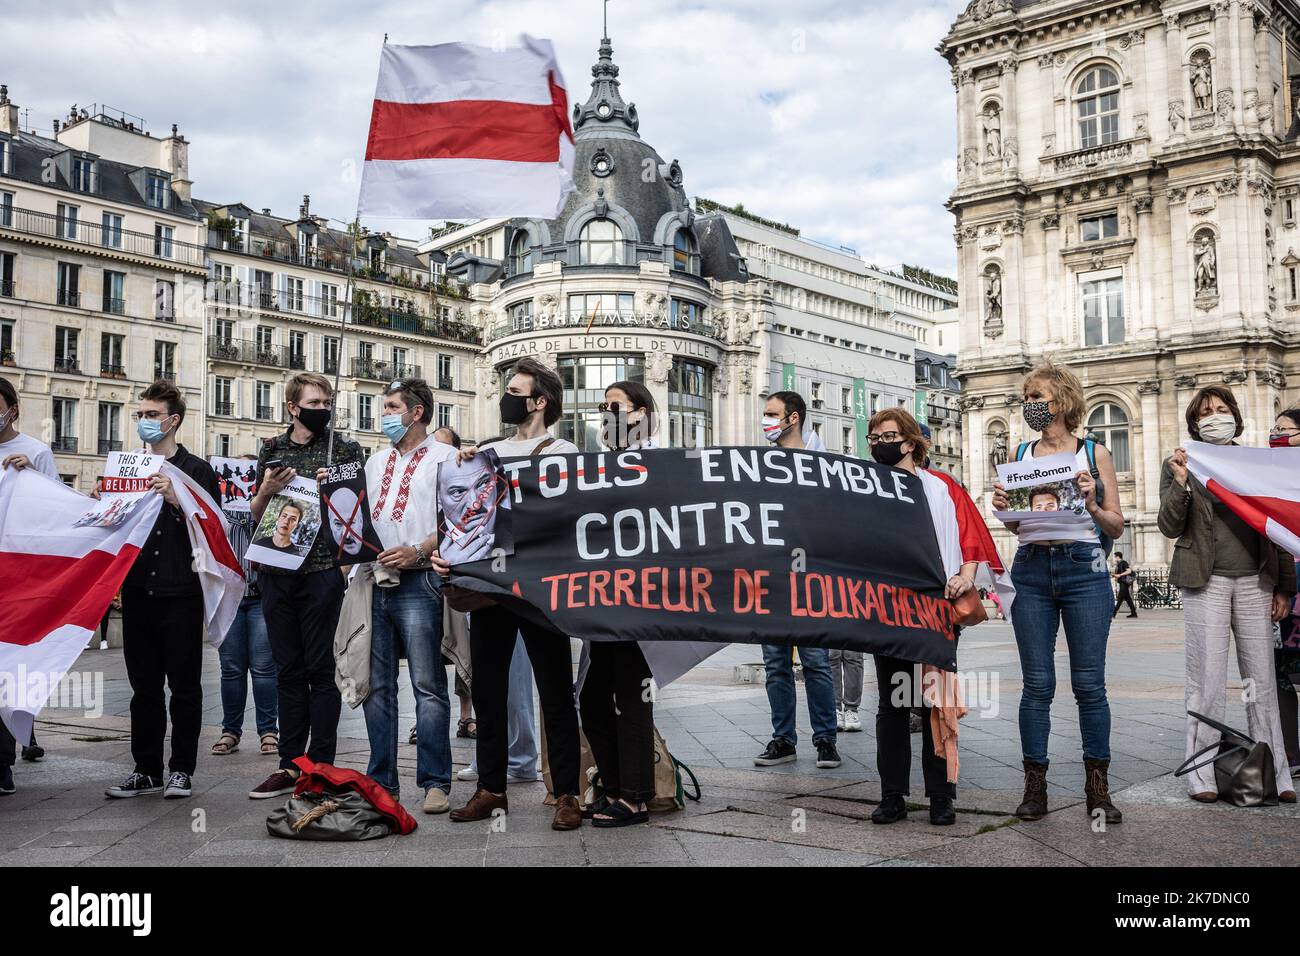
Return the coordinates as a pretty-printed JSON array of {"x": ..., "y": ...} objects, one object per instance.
[{"x": 1125, "y": 204}]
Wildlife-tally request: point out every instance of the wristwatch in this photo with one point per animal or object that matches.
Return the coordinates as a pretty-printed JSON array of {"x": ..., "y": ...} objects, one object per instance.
[{"x": 420, "y": 555}]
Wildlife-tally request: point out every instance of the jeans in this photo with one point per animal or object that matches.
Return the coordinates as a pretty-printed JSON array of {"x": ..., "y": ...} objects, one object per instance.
[
  {"x": 521, "y": 718},
  {"x": 1055, "y": 584},
  {"x": 246, "y": 650},
  {"x": 846, "y": 674},
  {"x": 409, "y": 616},
  {"x": 779, "y": 670}
]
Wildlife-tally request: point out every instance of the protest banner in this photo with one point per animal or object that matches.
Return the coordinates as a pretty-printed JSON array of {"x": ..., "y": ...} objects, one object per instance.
[
  {"x": 122, "y": 488},
  {"x": 284, "y": 536},
  {"x": 348, "y": 529},
  {"x": 1043, "y": 490},
  {"x": 237, "y": 478},
  {"x": 758, "y": 546}
]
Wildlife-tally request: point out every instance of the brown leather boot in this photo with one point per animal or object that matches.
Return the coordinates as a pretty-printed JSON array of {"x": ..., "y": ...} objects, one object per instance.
[
  {"x": 568, "y": 813},
  {"x": 1034, "y": 806},
  {"x": 480, "y": 807},
  {"x": 1097, "y": 790}
]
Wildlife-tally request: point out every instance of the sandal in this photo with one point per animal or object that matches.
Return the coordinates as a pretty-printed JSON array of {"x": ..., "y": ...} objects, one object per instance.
[
  {"x": 463, "y": 728},
  {"x": 599, "y": 805},
  {"x": 270, "y": 744},
  {"x": 619, "y": 814},
  {"x": 412, "y": 739},
  {"x": 226, "y": 744}
]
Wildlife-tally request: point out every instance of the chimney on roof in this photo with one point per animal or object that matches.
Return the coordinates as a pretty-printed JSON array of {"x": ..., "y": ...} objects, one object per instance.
[
  {"x": 8, "y": 113},
  {"x": 56, "y": 127},
  {"x": 176, "y": 160},
  {"x": 304, "y": 211},
  {"x": 266, "y": 211}
]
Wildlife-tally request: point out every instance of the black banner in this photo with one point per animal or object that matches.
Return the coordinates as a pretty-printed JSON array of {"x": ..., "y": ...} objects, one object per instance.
[{"x": 749, "y": 545}]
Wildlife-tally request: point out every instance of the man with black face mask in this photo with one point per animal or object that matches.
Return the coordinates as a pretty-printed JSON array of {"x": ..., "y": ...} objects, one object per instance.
[
  {"x": 301, "y": 607},
  {"x": 532, "y": 402}
]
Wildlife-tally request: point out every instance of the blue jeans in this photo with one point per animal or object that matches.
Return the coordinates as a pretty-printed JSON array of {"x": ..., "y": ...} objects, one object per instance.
[
  {"x": 409, "y": 616},
  {"x": 1055, "y": 584},
  {"x": 521, "y": 719},
  {"x": 246, "y": 650},
  {"x": 778, "y": 668}
]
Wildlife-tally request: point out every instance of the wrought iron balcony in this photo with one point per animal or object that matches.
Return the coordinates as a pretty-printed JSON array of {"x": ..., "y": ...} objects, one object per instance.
[
  {"x": 252, "y": 353},
  {"x": 67, "y": 365},
  {"x": 69, "y": 297},
  {"x": 224, "y": 409},
  {"x": 50, "y": 226},
  {"x": 64, "y": 443},
  {"x": 112, "y": 371},
  {"x": 116, "y": 306},
  {"x": 7, "y": 288},
  {"x": 107, "y": 445},
  {"x": 265, "y": 413}
]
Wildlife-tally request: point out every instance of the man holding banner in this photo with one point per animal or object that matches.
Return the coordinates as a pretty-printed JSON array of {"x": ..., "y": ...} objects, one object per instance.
[{"x": 163, "y": 614}]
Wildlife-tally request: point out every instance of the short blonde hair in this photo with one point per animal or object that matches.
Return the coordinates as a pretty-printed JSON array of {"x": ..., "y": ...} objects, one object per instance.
[
  {"x": 908, "y": 427},
  {"x": 293, "y": 391},
  {"x": 1069, "y": 391}
]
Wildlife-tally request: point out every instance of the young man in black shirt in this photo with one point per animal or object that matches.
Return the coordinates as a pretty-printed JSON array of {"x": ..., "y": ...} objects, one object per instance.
[
  {"x": 1123, "y": 576},
  {"x": 162, "y": 615}
]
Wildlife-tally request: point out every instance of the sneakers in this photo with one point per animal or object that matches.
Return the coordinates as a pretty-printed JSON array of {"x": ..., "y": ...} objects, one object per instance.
[
  {"x": 33, "y": 753},
  {"x": 469, "y": 773},
  {"x": 134, "y": 786},
  {"x": 512, "y": 778},
  {"x": 178, "y": 785},
  {"x": 942, "y": 813},
  {"x": 280, "y": 782},
  {"x": 839, "y": 720},
  {"x": 892, "y": 809},
  {"x": 779, "y": 750},
  {"x": 828, "y": 758},
  {"x": 7, "y": 781},
  {"x": 852, "y": 723}
]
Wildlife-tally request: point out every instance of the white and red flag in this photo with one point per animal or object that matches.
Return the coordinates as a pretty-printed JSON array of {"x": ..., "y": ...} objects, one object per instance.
[
  {"x": 59, "y": 579},
  {"x": 964, "y": 536},
  {"x": 1261, "y": 486},
  {"x": 460, "y": 131}
]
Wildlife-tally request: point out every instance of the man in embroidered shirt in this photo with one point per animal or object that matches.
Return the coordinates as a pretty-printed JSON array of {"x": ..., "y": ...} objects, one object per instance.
[{"x": 401, "y": 484}]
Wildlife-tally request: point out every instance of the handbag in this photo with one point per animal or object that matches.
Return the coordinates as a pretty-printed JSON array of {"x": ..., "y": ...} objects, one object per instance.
[
  {"x": 968, "y": 609},
  {"x": 467, "y": 599},
  {"x": 1244, "y": 771}
]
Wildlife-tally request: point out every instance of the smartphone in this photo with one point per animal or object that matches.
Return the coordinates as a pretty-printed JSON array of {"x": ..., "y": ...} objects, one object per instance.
[{"x": 274, "y": 464}]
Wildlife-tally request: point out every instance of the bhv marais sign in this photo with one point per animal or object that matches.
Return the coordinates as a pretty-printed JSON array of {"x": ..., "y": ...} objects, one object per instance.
[
  {"x": 650, "y": 321},
  {"x": 605, "y": 342}
]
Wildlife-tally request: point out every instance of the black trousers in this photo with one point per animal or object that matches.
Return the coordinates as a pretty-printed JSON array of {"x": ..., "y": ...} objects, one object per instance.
[
  {"x": 162, "y": 642},
  {"x": 618, "y": 719},
  {"x": 8, "y": 747},
  {"x": 893, "y": 739},
  {"x": 1125, "y": 595},
  {"x": 302, "y": 612},
  {"x": 491, "y": 647}
]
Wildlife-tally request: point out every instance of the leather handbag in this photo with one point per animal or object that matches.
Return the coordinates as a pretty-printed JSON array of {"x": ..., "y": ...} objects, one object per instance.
[
  {"x": 1244, "y": 771},
  {"x": 969, "y": 609}
]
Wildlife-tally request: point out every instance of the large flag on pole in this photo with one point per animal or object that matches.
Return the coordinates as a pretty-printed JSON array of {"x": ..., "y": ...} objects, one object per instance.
[
  {"x": 460, "y": 131},
  {"x": 1260, "y": 485}
]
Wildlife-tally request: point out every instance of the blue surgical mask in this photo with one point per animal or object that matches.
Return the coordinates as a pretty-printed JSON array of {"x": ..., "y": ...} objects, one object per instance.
[
  {"x": 151, "y": 433},
  {"x": 393, "y": 428}
]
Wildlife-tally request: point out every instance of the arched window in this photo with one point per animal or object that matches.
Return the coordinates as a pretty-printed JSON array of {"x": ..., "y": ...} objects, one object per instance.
[
  {"x": 684, "y": 258},
  {"x": 521, "y": 255},
  {"x": 1109, "y": 425},
  {"x": 600, "y": 244},
  {"x": 1096, "y": 103}
]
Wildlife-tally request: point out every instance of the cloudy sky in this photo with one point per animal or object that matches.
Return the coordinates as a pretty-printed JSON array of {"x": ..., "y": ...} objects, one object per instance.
[{"x": 832, "y": 115}]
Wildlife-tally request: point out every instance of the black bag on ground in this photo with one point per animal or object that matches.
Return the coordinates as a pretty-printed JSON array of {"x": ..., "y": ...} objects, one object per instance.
[
  {"x": 1244, "y": 770},
  {"x": 342, "y": 815}
]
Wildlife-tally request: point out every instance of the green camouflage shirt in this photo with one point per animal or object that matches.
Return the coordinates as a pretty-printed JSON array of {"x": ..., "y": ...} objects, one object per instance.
[{"x": 305, "y": 460}]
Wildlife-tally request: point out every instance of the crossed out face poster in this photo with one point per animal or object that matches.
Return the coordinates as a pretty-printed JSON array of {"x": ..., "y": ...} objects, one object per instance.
[
  {"x": 348, "y": 530},
  {"x": 474, "y": 518},
  {"x": 124, "y": 485},
  {"x": 289, "y": 526},
  {"x": 237, "y": 479}
]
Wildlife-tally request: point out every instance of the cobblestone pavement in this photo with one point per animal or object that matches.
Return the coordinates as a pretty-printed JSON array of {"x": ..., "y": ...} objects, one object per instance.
[{"x": 782, "y": 816}]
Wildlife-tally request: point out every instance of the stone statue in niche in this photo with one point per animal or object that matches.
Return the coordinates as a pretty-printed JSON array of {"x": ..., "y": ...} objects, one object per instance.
[
  {"x": 993, "y": 293},
  {"x": 1010, "y": 154},
  {"x": 998, "y": 450},
  {"x": 992, "y": 132},
  {"x": 1207, "y": 267},
  {"x": 1202, "y": 82}
]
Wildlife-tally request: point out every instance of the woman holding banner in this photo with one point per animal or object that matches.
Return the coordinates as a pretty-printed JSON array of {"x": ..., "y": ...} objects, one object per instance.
[
  {"x": 968, "y": 553},
  {"x": 1234, "y": 581},
  {"x": 1061, "y": 576}
]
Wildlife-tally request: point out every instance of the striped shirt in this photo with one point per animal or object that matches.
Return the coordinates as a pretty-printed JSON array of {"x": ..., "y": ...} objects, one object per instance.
[{"x": 241, "y": 535}]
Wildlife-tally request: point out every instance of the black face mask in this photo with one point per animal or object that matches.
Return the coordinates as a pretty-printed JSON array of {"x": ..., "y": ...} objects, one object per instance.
[
  {"x": 315, "y": 420},
  {"x": 514, "y": 408},
  {"x": 888, "y": 452}
]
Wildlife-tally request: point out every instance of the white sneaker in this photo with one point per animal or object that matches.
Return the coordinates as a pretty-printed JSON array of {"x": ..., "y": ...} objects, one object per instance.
[
  {"x": 512, "y": 778},
  {"x": 469, "y": 773},
  {"x": 839, "y": 721},
  {"x": 852, "y": 723}
]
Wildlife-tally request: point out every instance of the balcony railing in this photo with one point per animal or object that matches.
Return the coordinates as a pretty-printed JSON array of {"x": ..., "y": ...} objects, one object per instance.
[
  {"x": 7, "y": 288},
  {"x": 64, "y": 443},
  {"x": 445, "y": 384},
  {"x": 107, "y": 445},
  {"x": 69, "y": 297},
  {"x": 50, "y": 226},
  {"x": 112, "y": 371},
  {"x": 226, "y": 409},
  {"x": 67, "y": 365},
  {"x": 252, "y": 353},
  {"x": 366, "y": 424},
  {"x": 378, "y": 371},
  {"x": 265, "y": 413},
  {"x": 1081, "y": 159},
  {"x": 116, "y": 306},
  {"x": 412, "y": 323},
  {"x": 163, "y": 373}
]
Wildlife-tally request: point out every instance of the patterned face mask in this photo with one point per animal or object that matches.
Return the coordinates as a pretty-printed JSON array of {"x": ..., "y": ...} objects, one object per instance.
[{"x": 1037, "y": 415}]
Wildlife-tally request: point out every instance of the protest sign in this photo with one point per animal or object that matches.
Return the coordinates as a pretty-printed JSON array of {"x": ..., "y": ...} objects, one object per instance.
[
  {"x": 1044, "y": 490},
  {"x": 289, "y": 526},
  {"x": 474, "y": 518},
  {"x": 124, "y": 485},
  {"x": 348, "y": 529},
  {"x": 759, "y": 546},
  {"x": 237, "y": 478}
]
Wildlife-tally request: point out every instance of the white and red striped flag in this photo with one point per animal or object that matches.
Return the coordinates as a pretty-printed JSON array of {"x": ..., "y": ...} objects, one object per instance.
[
  {"x": 460, "y": 131},
  {"x": 1260, "y": 485},
  {"x": 59, "y": 579}
]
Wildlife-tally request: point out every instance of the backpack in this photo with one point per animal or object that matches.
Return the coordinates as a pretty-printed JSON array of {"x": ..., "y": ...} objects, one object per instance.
[{"x": 1090, "y": 447}]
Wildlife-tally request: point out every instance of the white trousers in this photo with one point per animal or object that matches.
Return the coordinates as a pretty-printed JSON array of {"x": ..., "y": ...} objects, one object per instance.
[{"x": 1242, "y": 607}]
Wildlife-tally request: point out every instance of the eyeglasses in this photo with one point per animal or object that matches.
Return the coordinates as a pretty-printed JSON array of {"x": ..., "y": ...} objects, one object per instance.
[
  {"x": 887, "y": 437},
  {"x": 609, "y": 407}
]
